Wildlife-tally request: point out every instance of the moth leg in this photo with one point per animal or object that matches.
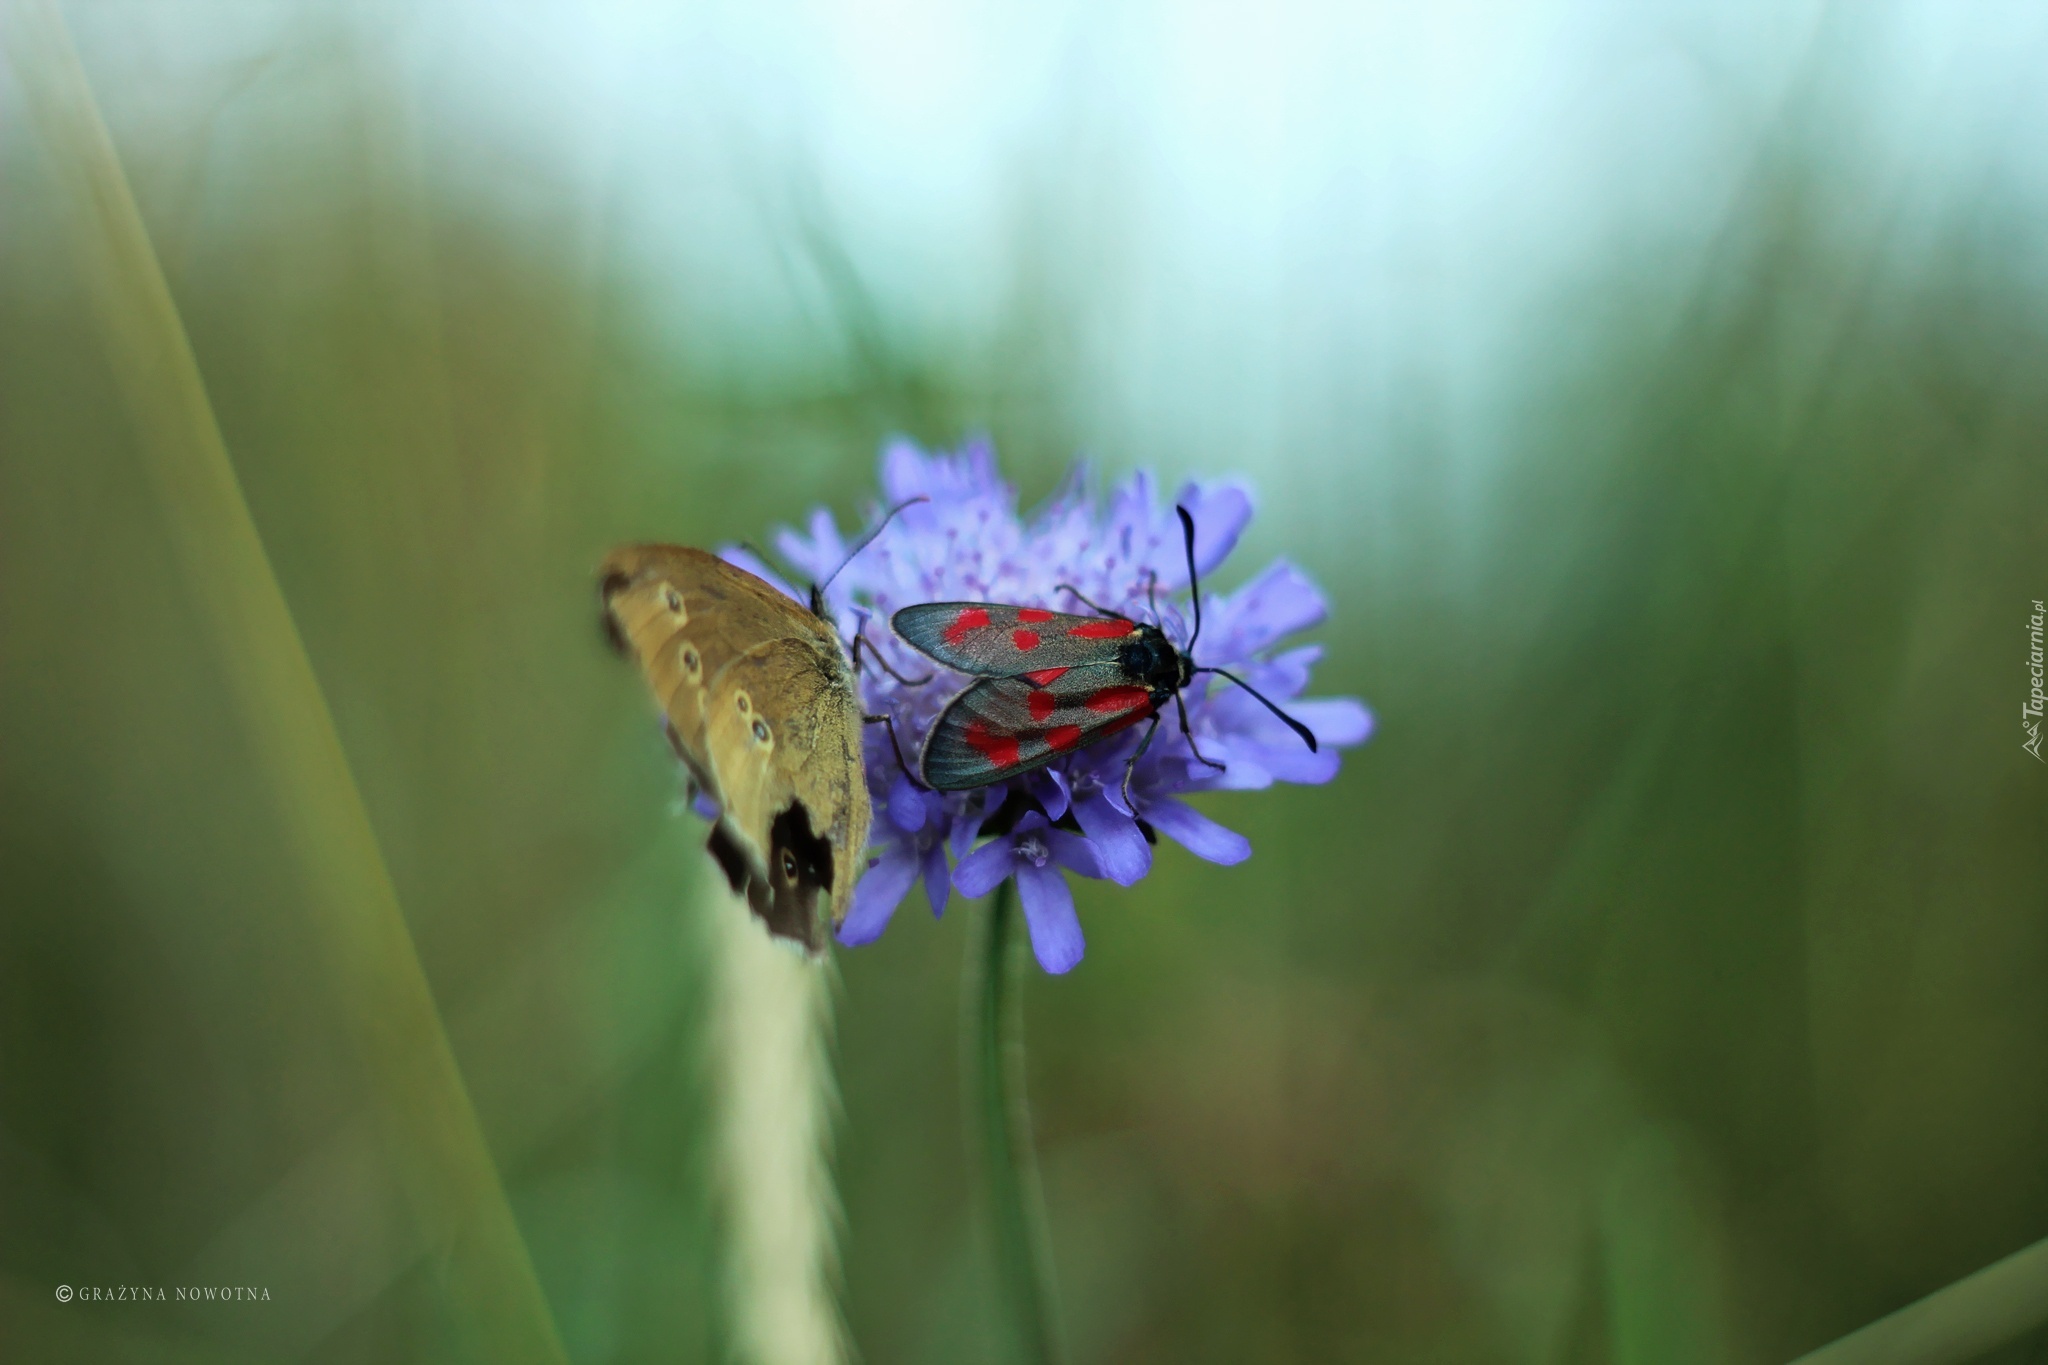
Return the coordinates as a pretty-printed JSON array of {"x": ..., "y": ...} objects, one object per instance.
[
  {"x": 1070, "y": 588},
  {"x": 1181, "y": 707},
  {"x": 860, "y": 638},
  {"x": 915, "y": 779},
  {"x": 1132, "y": 766}
]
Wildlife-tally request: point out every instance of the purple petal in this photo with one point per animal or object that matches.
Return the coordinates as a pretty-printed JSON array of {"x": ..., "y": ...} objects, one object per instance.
[
  {"x": 905, "y": 470},
  {"x": 1220, "y": 511},
  {"x": 981, "y": 871},
  {"x": 1242, "y": 717},
  {"x": 1280, "y": 677},
  {"x": 966, "y": 827},
  {"x": 703, "y": 805},
  {"x": 1253, "y": 762},
  {"x": 878, "y": 895},
  {"x": 820, "y": 554},
  {"x": 1113, "y": 793},
  {"x": 1197, "y": 833},
  {"x": 1274, "y": 605},
  {"x": 1294, "y": 763},
  {"x": 830, "y": 548},
  {"x": 1133, "y": 510},
  {"x": 1074, "y": 853},
  {"x": 906, "y": 805},
  {"x": 938, "y": 882},
  {"x": 1336, "y": 721},
  {"x": 1124, "y": 854},
  {"x": 1050, "y": 787},
  {"x": 1049, "y": 914},
  {"x": 1244, "y": 766}
]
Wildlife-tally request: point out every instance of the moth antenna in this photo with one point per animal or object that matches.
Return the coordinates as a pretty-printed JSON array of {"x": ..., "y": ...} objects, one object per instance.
[
  {"x": 1070, "y": 588},
  {"x": 818, "y": 589},
  {"x": 1187, "y": 526},
  {"x": 1308, "y": 736}
]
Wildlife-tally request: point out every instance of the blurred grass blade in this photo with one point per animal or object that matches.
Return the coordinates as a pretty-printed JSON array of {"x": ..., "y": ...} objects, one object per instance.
[
  {"x": 772, "y": 1014},
  {"x": 1977, "y": 1313},
  {"x": 1658, "y": 1254},
  {"x": 349, "y": 900}
]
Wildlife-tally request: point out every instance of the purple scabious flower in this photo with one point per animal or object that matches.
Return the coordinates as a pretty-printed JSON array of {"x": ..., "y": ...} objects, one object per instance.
[{"x": 968, "y": 543}]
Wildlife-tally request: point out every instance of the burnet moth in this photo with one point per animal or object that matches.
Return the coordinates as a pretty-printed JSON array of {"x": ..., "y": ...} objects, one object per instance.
[{"x": 1050, "y": 683}]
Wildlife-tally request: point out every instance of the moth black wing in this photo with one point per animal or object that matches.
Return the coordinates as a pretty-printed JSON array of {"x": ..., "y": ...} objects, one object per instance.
[
  {"x": 1001, "y": 727},
  {"x": 992, "y": 640}
]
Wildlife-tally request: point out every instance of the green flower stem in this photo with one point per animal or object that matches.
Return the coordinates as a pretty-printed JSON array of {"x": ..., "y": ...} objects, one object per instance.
[
  {"x": 1951, "y": 1326},
  {"x": 1002, "y": 1117},
  {"x": 350, "y": 907}
]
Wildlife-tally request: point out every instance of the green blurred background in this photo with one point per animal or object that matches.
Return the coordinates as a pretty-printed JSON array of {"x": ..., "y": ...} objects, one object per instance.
[{"x": 1659, "y": 391}]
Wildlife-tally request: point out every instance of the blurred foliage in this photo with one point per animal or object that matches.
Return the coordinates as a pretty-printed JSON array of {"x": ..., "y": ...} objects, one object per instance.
[{"x": 1661, "y": 984}]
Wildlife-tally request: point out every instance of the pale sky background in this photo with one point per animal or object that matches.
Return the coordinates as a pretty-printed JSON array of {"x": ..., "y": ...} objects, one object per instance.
[{"x": 1268, "y": 237}]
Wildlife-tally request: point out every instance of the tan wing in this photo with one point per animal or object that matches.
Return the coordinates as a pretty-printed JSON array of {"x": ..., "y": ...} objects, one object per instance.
[
  {"x": 683, "y": 615},
  {"x": 705, "y": 633},
  {"x": 783, "y": 732}
]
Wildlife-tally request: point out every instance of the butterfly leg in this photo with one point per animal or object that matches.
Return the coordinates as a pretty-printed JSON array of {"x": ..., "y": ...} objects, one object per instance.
[
  {"x": 1182, "y": 707},
  {"x": 897, "y": 745},
  {"x": 860, "y": 638},
  {"x": 1132, "y": 766}
]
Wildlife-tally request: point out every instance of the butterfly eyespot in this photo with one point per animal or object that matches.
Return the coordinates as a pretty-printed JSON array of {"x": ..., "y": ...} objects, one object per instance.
[
  {"x": 743, "y": 703},
  {"x": 673, "y": 600},
  {"x": 692, "y": 664},
  {"x": 788, "y": 866},
  {"x": 760, "y": 729}
]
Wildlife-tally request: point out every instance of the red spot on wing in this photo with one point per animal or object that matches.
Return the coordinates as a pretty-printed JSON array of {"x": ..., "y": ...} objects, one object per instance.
[
  {"x": 1024, "y": 639},
  {"x": 1032, "y": 616},
  {"x": 999, "y": 750},
  {"x": 1109, "y": 629},
  {"x": 1063, "y": 737},
  {"x": 1044, "y": 677},
  {"x": 1113, "y": 700},
  {"x": 1124, "y": 722},
  {"x": 974, "y": 618},
  {"x": 1043, "y": 704}
]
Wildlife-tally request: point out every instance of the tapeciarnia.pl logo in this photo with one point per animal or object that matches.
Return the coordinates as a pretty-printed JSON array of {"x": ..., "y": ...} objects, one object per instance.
[{"x": 2030, "y": 714}]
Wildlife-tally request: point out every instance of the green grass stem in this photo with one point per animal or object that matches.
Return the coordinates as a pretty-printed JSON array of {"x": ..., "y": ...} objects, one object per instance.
[
  {"x": 347, "y": 895},
  {"x": 1959, "y": 1323},
  {"x": 1000, "y": 1122}
]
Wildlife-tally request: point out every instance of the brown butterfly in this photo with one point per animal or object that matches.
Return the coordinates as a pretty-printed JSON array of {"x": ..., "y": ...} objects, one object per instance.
[{"x": 760, "y": 704}]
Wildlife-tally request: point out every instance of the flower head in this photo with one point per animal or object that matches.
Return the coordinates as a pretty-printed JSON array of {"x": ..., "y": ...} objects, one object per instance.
[{"x": 967, "y": 542}]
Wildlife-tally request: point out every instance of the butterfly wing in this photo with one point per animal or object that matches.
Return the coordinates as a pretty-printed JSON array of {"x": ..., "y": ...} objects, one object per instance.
[
  {"x": 1000, "y": 727},
  {"x": 683, "y": 615},
  {"x": 783, "y": 729},
  {"x": 707, "y": 634},
  {"x": 990, "y": 639}
]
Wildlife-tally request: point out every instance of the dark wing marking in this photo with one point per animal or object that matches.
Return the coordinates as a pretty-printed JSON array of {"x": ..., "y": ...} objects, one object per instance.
[
  {"x": 992, "y": 640},
  {"x": 1001, "y": 727}
]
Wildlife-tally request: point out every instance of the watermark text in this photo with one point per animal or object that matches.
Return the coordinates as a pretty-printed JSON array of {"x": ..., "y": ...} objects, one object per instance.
[
  {"x": 156, "y": 1293},
  {"x": 2030, "y": 712}
]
